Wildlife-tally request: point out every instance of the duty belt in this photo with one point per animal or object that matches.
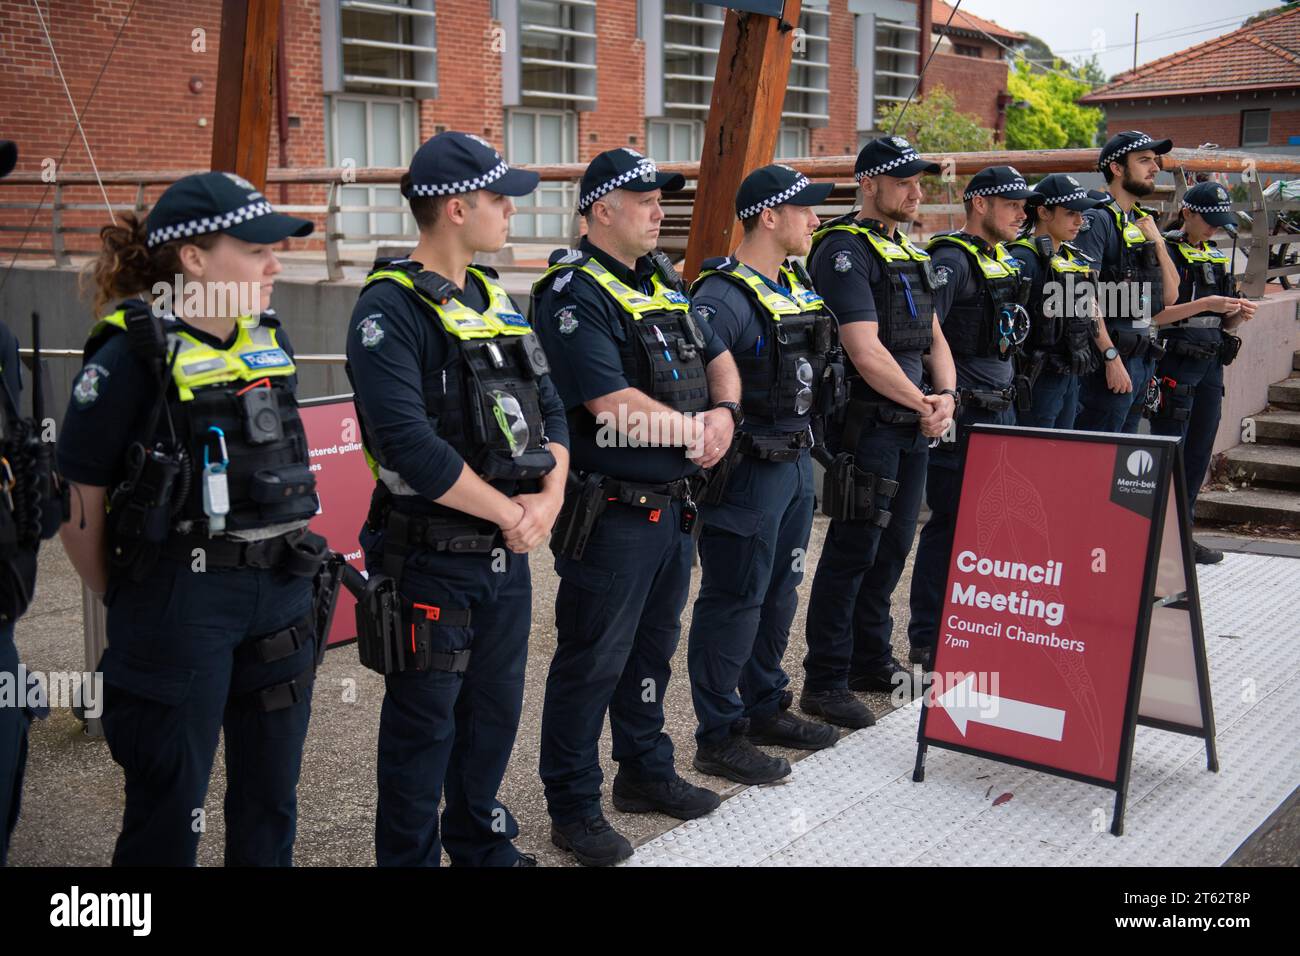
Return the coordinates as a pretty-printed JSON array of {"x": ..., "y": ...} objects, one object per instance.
[
  {"x": 1187, "y": 349},
  {"x": 415, "y": 532},
  {"x": 1211, "y": 320},
  {"x": 786, "y": 447},
  {"x": 993, "y": 400},
  {"x": 300, "y": 552},
  {"x": 650, "y": 495}
]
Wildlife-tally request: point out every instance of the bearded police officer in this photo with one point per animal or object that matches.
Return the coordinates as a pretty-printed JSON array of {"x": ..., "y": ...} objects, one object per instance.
[
  {"x": 642, "y": 380},
  {"x": 880, "y": 288},
  {"x": 1138, "y": 281},
  {"x": 467, "y": 440},
  {"x": 1062, "y": 303},
  {"x": 761, "y": 305},
  {"x": 980, "y": 302},
  {"x": 1196, "y": 339}
]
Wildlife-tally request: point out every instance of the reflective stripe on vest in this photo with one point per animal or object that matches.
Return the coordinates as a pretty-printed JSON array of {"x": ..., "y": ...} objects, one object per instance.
[
  {"x": 1000, "y": 267},
  {"x": 637, "y": 304},
  {"x": 458, "y": 319},
  {"x": 799, "y": 300},
  {"x": 888, "y": 249},
  {"x": 254, "y": 355}
]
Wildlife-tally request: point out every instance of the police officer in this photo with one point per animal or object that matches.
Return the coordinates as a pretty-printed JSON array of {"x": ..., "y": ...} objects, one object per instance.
[
  {"x": 192, "y": 491},
  {"x": 761, "y": 305},
  {"x": 880, "y": 288},
  {"x": 1195, "y": 337},
  {"x": 1138, "y": 281},
  {"x": 30, "y": 511},
  {"x": 1062, "y": 302},
  {"x": 642, "y": 380},
  {"x": 468, "y": 443},
  {"x": 980, "y": 301}
]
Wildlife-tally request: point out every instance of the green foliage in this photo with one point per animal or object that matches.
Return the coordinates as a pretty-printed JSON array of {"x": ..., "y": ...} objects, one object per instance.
[
  {"x": 1043, "y": 113},
  {"x": 933, "y": 124}
]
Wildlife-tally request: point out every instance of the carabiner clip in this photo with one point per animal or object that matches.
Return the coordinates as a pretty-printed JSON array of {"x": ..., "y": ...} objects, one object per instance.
[{"x": 221, "y": 443}]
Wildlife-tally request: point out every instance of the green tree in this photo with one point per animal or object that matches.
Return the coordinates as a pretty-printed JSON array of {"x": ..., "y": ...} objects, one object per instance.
[
  {"x": 1043, "y": 112},
  {"x": 933, "y": 124}
]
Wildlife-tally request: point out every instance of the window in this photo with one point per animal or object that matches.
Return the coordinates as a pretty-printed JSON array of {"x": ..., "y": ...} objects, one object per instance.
[
  {"x": 372, "y": 131},
  {"x": 1254, "y": 127},
  {"x": 543, "y": 136},
  {"x": 792, "y": 142},
  {"x": 557, "y": 52},
  {"x": 808, "y": 88},
  {"x": 674, "y": 141},
  {"x": 895, "y": 63},
  {"x": 387, "y": 47},
  {"x": 692, "y": 33},
  {"x": 967, "y": 49}
]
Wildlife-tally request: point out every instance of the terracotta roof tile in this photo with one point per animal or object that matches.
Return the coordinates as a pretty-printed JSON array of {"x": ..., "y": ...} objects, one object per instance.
[{"x": 940, "y": 12}]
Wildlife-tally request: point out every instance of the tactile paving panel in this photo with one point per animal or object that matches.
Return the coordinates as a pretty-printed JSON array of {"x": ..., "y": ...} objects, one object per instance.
[{"x": 856, "y": 805}]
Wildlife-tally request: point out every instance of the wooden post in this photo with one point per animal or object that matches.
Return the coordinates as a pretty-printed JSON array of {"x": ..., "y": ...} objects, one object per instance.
[
  {"x": 923, "y": 44},
  {"x": 744, "y": 120},
  {"x": 241, "y": 126}
]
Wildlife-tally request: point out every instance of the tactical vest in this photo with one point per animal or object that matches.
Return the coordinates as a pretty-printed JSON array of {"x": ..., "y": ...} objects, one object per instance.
[
  {"x": 1072, "y": 272},
  {"x": 1203, "y": 271},
  {"x": 231, "y": 404},
  {"x": 485, "y": 398},
  {"x": 780, "y": 380},
  {"x": 662, "y": 351},
  {"x": 904, "y": 293},
  {"x": 1139, "y": 263},
  {"x": 971, "y": 326}
]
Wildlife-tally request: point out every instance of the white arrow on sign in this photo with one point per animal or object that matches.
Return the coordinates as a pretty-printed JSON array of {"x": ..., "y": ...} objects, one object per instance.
[{"x": 965, "y": 705}]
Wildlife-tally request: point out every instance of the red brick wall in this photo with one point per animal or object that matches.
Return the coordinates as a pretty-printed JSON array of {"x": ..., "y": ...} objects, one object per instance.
[
  {"x": 839, "y": 137},
  {"x": 1214, "y": 126},
  {"x": 975, "y": 84},
  {"x": 469, "y": 74},
  {"x": 619, "y": 117}
]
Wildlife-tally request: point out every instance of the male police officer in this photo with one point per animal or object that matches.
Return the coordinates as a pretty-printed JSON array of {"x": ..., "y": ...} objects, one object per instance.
[
  {"x": 881, "y": 290},
  {"x": 762, "y": 307},
  {"x": 1196, "y": 340},
  {"x": 629, "y": 362},
  {"x": 1062, "y": 304},
  {"x": 468, "y": 441},
  {"x": 980, "y": 301},
  {"x": 1138, "y": 281}
]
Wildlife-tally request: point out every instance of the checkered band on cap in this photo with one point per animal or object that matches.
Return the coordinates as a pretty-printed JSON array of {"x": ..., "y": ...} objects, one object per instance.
[
  {"x": 910, "y": 156},
  {"x": 198, "y": 227},
  {"x": 1068, "y": 197},
  {"x": 1015, "y": 184},
  {"x": 644, "y": 169},
  {"x": 1219, "y": 207},
  {"x": 1106, "y": 158},
  {"x": 783, "y": 196},
  {"x": 464, "y": 186}
]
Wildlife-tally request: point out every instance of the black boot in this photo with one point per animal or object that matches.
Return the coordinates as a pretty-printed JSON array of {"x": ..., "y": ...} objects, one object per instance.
[
  {"x": 593, "y": 841},
  {"x": 886, "y": 679},
  {"x": 1203, "y": 555},
  {"x": 837, "y": 706},
  {"x": 784, "y": 729},
  {"x": 673, "y": 796},
  {"x": 739, "y": 760}
]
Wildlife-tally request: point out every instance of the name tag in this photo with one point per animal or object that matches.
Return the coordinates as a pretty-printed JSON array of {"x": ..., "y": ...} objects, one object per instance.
[
  {"x": 676, "y": 297},
  {"x": 512, "y": 318},
  {"x": 267, "y": 358}
]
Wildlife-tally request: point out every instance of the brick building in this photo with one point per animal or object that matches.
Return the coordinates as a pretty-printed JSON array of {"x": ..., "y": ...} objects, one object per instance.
[
  {"x": 971, "y": 61},
  {"x": 547, "y": 80},
  {"x": 1240, "y": 91}
]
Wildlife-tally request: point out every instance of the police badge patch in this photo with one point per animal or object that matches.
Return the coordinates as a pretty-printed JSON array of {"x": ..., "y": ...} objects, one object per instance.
[
  {"x": 567, "y": 320},
  {"x": 941, "y": 276},
  {"x": 843, "y": 261},
  {"x": 86, "y": 392},
  {"x": 371, "y": 331},
  {"x": 705, "y": 312}
]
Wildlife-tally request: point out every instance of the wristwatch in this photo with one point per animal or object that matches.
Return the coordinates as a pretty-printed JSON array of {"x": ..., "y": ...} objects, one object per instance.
[
  {"x": 737, "y": 416},
  {"x": 1110, "y": 353},
  {"x": 956, "y": 396}
]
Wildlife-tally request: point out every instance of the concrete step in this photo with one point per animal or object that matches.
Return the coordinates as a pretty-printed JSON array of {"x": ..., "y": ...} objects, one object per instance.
[
  {"x": 1266, "y": 464},
  {"x": 1279, "y": 426},
  {"x": 1270, "y": 506},
  {"x": 1285, "y": 393}
]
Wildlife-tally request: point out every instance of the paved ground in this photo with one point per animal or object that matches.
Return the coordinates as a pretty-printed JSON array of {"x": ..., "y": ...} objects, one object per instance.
[{"x": 73, "y": 796}]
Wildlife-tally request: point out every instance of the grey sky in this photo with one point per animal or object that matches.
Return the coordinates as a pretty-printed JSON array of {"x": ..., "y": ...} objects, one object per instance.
[{"x": 1106, "y": 26}]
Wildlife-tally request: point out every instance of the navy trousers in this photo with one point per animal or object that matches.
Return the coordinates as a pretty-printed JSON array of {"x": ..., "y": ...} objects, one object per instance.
[
  {"x": 618, "y": 621},
  {"x": 1101, "y": 410},
  {"x": 752, "y": 553},
  {"x": 13, "y": 739},
  {"x": 451, "y": 734},
  {"x": 182, "y": 666},
  {"x": 849, "y": 625},
  {"x": 1202, "y": 405},
  {"x": 1055, "y": 401}
]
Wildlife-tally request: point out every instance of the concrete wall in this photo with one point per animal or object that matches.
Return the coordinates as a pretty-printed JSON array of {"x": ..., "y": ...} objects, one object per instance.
[{"x": 1268, "y": 342}]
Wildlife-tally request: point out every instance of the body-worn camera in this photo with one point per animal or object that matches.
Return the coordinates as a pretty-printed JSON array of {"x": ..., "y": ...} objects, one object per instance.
[{"x": 261, "y": 416}]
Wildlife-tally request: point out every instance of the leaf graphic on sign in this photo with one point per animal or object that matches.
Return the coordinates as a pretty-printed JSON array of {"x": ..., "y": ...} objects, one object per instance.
[{"x": 1010, "y": 510}]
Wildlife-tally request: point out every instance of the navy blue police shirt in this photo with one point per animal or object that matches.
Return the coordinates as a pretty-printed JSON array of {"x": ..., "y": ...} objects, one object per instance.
[
  {"x": 581, "y": 327},
  {"x": 1193, "y": 283},
  {"x": 112, "y": 398},
  {"x": 743, "y": 326},
  {"x": 843, "y": 270},
  {"x": 1099, "y": 239},
  {"x": 388, "y": 361},
  {"x": 958, "y": 283}
]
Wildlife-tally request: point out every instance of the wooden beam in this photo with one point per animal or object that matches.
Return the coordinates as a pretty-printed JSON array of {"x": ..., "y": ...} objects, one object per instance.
[
  {"x": 241, "y": 126},
  {"x": 925, "y": 42},
  {"x": 744, "y": 120}
]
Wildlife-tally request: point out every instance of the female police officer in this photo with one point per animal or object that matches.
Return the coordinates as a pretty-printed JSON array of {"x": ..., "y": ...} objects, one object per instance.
[
  {"x": 1194, "y": 334},
  {"x": 192, "y": 490}
]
